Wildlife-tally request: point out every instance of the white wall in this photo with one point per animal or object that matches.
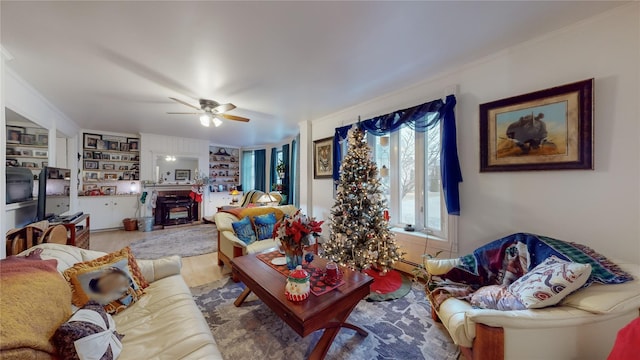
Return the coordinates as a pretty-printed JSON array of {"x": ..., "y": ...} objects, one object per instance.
[{"x": 599, "y": 208}]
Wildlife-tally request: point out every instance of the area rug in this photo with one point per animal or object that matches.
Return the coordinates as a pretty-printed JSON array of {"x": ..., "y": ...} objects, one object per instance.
[
  {"x": 184, "y": 241},
  {"x": 398, "y": 329},
  {"x": 392, "y": 285}
]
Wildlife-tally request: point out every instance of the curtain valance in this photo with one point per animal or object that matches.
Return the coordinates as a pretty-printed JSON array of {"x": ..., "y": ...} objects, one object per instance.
[{"x": 419, "y": 118}]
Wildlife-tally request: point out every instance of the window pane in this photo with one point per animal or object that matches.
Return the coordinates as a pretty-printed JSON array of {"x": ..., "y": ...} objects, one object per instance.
[
  {"x": 248, "y": 176},
  {"x": 433, "y": 198},
  {"x": 407, "y": 175},
  {"x": 380, "y": 147}
]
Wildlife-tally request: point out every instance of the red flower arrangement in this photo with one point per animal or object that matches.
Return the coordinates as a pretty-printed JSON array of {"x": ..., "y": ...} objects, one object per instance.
[{"x": 294, "y": 231}]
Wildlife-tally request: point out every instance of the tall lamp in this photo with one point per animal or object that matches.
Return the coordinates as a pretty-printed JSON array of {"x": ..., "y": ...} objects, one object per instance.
[{"x": 267, "y": 200}]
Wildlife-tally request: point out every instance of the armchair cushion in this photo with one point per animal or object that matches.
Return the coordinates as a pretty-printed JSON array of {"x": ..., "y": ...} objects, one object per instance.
[
  {"x": 244, "y": 230},
  {"x": 153, "y": 270}
]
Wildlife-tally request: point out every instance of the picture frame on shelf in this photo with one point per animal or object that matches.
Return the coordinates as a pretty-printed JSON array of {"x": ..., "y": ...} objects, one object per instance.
[
  {"x": 114, "y": 146},
  {"x": 67, "y": 190},
  {"x": 115, "y": 157},
  {"x": 135, "y": 176},
  {"x": 12, "y": 151},
  {"x": 41, "y": 153},
  {"x": 88, "y": 154},
  {"x": 67, "y": 175},
  {"x": 550, "y": 129},
  {"x": 123, "y": 167},
  {"x": 125, "y": 157},
  {"x": 45, "y": 163},
  {"x": 134, "y": 144},
  {"x": 97, "y": 155},
  {"x": 14, "y": 134},
  {"x": 110, "y": 176},
  {"x": 124, "y": 146},
  {"x": 108, "y": 190},
  {"x": 135, "y": 158},
  {"x": 323, "y": 158},
  {"x": 42, "y": 139},
  {"x": 26, "y": 152},
  {"x": 90, "y": 141},
  {"x": 91, "y": 176},
  {"x": 102, "y": 145},
  {"x": 29, "y": 164},
  {"x": 126, "y": 175},
  {"x": 106, "y": 156},
  {"x": 28, "y": 139},
  {"x": 108, "y": 166},
  {"x": 91, "y": 165},
  {"x": 182, "y": 174},
  {"x": 89, "y": 187},
  {"x": 135, "y": 167},
  {"x": 12, "y": 162},
  {"x": 54, "y": 173}
]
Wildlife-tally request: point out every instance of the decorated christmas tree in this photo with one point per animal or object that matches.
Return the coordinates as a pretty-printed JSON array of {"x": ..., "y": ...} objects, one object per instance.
[{"x": 360, "y": 236}]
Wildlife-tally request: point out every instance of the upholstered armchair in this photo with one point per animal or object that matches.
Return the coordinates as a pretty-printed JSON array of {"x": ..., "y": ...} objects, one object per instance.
[{"x": 230, "y": 246}]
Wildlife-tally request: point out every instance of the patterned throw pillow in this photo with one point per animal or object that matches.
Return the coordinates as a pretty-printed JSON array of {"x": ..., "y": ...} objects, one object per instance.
[
  {"x": 549, "y": 282},
  {"x": 264, "y": 225},
  {"x": 114, "y": 281},
  {"x": 244, "y": 230},
  {"x": 496, "y": 297},
  {"x": 89, "y": 334}
]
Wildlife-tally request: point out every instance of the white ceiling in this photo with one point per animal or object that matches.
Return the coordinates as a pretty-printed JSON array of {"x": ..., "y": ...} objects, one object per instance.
[{"x": 112, "y": 65}]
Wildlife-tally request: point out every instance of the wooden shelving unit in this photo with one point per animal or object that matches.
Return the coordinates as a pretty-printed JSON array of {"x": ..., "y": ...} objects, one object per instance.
[
  {"x": 224, "y": 168},
  {"x": 102, "y": 164},
  {"x": 28, "y": 147}
]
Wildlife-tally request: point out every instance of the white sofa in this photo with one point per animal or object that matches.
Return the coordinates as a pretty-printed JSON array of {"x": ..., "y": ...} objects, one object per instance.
[
  {"x": 229, "y": 246},
  {"x": 165, "y": 323},
  {"x": 583, "y": 326}
]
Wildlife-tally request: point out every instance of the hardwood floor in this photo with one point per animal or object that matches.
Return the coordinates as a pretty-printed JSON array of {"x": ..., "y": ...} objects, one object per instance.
[{"x": 196, "y": 270}]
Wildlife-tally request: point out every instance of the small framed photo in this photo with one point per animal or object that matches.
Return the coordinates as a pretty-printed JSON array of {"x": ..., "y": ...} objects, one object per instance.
[
  {"x": 41, "y": 153},
  {"x": 125, "y": 157},
  {"x": 135, "y": 176},
  {"x": 96, "y": 155},
  {"x": 14, "y": 134},
  {"x": 111, "y": 176},
  {"x": 116, "y": 157},
  {"x": 29, "y": 164},
  {"x": 45, "y": 163},
  {"x": 106, "y": 156},
  {"x": 88, "y": 154},
  {"x": 114, "y": 145},
  {"x": 124, "y": 146},
  {"x": 126, "y": 175},
  {"x": 12, "y": 162},
  {"x": 183, "y": 174},
  {"x": 108, "y": 190},
  {"x": 135, "y": 167},
  {"x": 28, "y": 139},
  {"x": 42, "y": 139},
  {"x": 26, "y": 152},
  {"x": 102, "y": 145},
  {"x": 91, "y": 176},
  {"x": 123, "y": 167},
  {"x": 89, "y": 187},
  {"x": 108, "y": 166},
  {"x": 134, "y": 144},
  {"x": 54, "y": 173},
  {"x": 12, "y": 151},
  {"x": 323, "y": 158},
  {"x": 91, "y": 165},
  {"x": 91, "y": 140}
]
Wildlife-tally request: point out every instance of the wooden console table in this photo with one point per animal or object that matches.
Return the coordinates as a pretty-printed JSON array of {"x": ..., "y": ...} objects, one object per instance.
[{"x": 78, "y": 237}]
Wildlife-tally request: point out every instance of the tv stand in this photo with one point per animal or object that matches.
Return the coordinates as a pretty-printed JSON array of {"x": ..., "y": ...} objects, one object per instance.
[{"x": 78, "y": 236}]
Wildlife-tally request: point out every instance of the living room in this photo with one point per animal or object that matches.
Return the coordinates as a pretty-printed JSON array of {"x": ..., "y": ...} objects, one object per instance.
[{"x": 96, "y": 73}]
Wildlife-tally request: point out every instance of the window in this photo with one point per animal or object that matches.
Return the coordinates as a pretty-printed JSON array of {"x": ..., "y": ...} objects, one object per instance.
[
  {"x": 409, "y": 165},
  {"x": 248, "y": 170}
]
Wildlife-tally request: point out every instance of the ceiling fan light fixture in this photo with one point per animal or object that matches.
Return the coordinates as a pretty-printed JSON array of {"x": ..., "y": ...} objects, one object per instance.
[
  {"x": 216, "y": 121},
  {"x": 205, "y": 120}
]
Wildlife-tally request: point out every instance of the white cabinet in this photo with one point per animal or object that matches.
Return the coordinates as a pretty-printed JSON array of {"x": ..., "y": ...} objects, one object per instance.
[
  {"x": 107, "y": 212},
  {"x": 215, "y": 200}
]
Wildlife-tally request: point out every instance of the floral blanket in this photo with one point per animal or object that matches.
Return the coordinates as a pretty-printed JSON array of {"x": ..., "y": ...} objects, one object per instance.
[{"x": 502, "y": 261}]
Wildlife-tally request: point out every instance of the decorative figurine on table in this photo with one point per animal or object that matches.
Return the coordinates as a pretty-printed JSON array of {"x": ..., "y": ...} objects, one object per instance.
[{"x": 297, "y": 288}]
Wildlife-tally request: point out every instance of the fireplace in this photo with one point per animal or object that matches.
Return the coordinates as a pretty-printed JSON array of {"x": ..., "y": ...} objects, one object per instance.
[{"x": 175, "y": 208}]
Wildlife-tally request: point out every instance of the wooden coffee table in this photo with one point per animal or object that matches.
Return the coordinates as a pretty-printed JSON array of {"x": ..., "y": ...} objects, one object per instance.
[{"x": 328, "y": 311}]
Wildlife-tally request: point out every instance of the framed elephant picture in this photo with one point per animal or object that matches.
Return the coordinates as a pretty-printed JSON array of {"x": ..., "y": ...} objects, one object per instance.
[{"x": 551, "y": 129}]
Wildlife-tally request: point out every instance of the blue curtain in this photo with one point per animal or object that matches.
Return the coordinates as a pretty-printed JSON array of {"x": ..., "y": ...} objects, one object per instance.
[
  {"x": 260, "y": 169},
  {"x": 287, "y": 167},
  {"x": 294, "y": 173},
  {"x": 419, "y": 118},
  {"x": 272, "y": 171}
]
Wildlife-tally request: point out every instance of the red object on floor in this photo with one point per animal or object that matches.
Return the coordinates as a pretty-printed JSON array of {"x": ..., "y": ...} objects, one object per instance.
[
  {"x": 384, "y": 284},
  {"x": 627, "y": 345}
]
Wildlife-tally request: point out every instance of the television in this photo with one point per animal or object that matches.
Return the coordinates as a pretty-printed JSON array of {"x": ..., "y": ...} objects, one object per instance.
[{"x": 53, "y": 193}]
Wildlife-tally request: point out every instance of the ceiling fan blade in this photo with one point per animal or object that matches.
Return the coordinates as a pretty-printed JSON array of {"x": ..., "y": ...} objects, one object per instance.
[
  {"x": 222, "y": 108},
  {"x": 235, "y": 118},
  {"x": 183, "y": 113},
  {"x": 184, "y": 103}
]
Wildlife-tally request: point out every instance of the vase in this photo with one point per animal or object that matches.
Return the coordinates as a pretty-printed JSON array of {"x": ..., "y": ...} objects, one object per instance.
[{"x": 294, "y": 255}]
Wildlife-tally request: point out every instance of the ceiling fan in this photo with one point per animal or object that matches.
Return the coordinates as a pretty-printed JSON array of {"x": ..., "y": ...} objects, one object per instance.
[{"x": 210, "y": 111}]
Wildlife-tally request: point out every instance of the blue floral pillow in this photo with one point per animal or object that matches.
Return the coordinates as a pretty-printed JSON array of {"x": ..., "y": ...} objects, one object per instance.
[
  {"x": 244, "y": 230},
  {"x": 264, "y": 225}
]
